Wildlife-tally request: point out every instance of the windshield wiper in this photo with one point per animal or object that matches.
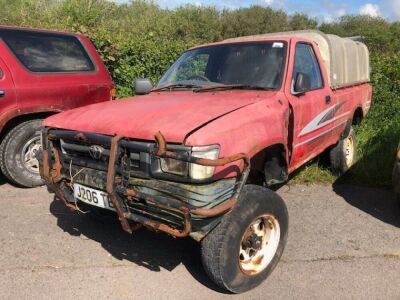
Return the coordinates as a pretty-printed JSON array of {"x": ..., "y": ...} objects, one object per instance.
[
  {"x": 177, "y": 86},
  {"x": 232, "y": 87}
]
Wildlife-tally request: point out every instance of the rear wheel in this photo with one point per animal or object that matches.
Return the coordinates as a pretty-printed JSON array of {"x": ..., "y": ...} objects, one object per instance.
[
  {"x": 343, "y": 154},
  {"x": 243, "y": 250},
  {"x": 18, "y": 150}
]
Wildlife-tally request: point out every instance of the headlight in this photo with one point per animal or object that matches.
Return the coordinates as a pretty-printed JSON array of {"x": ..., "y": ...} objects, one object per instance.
[
  {"x": 194, "y": 171},
  {"x": 200, "y": 172},
  {"x": 173, "y": 166}
]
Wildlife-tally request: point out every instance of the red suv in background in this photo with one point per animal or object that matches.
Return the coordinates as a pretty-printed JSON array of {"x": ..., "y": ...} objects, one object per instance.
[{"x": 42, "y": 73}]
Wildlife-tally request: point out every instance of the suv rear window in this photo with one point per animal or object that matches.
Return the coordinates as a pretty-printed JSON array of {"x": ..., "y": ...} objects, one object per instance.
[{"x": 46, "y": 52}]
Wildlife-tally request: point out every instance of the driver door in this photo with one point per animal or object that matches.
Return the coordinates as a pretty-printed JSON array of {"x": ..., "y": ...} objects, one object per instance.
[{"x": 311, "y": 110}]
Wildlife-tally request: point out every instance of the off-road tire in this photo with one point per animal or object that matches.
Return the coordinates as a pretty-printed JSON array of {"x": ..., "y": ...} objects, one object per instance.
[
  {"x": 11, "y": 163},
  {"x": 220, "y": 248},
  {"x": 342, "y": 158}
]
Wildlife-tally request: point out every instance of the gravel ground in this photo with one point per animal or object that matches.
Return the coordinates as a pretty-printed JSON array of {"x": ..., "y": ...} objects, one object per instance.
[{"x": 344, "y": 243}]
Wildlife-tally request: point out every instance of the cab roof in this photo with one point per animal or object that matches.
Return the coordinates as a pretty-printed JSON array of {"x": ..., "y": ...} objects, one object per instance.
[{"x": 38, "y": 30}]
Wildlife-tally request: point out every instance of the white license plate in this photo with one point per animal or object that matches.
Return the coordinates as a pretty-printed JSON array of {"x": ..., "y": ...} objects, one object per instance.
[{"x": 92, "y": 196}]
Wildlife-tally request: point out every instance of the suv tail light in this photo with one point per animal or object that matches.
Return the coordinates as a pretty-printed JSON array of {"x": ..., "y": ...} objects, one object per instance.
[{"x": 113, "y": 93}]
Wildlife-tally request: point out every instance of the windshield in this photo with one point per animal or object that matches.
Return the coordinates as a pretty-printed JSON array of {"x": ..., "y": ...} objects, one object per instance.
[{"x": 258, "y": 64}]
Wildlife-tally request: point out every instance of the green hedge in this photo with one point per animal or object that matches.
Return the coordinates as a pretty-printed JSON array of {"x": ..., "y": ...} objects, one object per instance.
[{"x": 144, "y": 57}]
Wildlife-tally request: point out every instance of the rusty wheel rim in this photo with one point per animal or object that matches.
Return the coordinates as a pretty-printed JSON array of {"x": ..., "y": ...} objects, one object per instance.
[
  {"x": 259, "y": 244},
  {"x": 349, "y": 151}
]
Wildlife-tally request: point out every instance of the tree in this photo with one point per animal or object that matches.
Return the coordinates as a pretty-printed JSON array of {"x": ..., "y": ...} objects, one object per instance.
[
  {"x": 253, "y": 20},
  {"x": 301, "y": 21}
]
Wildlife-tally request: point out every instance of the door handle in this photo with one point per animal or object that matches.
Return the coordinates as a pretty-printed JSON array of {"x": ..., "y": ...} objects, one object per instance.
[
  {"x": 2, "y": 93},
  {"x": 328, "y": 99}
]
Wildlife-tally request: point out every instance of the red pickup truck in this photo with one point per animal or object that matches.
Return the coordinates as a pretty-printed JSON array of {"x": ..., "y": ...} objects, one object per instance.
[
  {"x": 42, "y": 73},
  {"x": 195, "y": 155}
]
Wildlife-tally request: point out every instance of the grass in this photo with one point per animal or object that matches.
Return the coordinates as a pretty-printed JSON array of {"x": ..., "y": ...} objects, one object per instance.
[{"x": 313, "y": 173}]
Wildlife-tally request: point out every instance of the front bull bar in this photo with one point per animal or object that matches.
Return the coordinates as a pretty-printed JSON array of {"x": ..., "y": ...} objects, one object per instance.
[{"x": 51, "y": 166}]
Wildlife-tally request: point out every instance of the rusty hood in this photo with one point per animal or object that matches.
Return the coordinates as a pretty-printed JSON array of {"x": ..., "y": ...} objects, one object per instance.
[{"x": 177, "y": 114}]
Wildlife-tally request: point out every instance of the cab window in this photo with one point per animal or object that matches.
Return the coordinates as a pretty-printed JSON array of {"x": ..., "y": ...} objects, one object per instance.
[
  {"x": 253, "y": 64},
  {"x": 194, "y": 67},
  {"x": 306, "y": 62}
]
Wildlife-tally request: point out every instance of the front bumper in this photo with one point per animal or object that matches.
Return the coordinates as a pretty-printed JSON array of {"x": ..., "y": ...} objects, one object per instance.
[{"x": 170, "y": 207}]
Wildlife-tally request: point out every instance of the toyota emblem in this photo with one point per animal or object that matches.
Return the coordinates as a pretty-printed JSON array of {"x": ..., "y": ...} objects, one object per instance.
[{"x": 96, "y": 152}]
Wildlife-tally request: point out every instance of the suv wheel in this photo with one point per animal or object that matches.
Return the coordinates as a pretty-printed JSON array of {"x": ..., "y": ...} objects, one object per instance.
[
  {"x": 343, "y": 154},
  {"x": 243, "y": 250},
  {"x": 18, "y": 154}
]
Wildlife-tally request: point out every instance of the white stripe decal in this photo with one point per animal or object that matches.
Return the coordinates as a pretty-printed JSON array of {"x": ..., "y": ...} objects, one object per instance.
[
  {"x": 315, "y": 123},
  {"x": 319, "y": 135}
]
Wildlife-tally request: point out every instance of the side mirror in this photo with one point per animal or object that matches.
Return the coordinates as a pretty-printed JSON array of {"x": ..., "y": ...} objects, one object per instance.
[
  {"x": 302, "y": 84},
  {"x": 143, "y": 86}
]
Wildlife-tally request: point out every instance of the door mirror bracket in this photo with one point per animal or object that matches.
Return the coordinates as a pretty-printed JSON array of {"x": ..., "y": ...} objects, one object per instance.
[{"x": 301, "y": 84}]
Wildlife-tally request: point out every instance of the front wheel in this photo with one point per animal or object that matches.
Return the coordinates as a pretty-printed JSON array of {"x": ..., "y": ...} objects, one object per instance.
[
  {"x": 18, "y": 151},
  {"x": 243, "y": 250}
]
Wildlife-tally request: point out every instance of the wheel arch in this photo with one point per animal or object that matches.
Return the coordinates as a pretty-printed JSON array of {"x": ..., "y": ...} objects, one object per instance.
[
  {"x": 270, "y": 165},
  {"x": 20, "y": 118},
  {"x": 358, "y": 115},
  {"x": 356, "y": 119}
]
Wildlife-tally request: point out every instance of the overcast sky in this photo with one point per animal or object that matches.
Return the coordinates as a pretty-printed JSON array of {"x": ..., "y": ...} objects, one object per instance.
[{"x": 323, "y": 10}]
